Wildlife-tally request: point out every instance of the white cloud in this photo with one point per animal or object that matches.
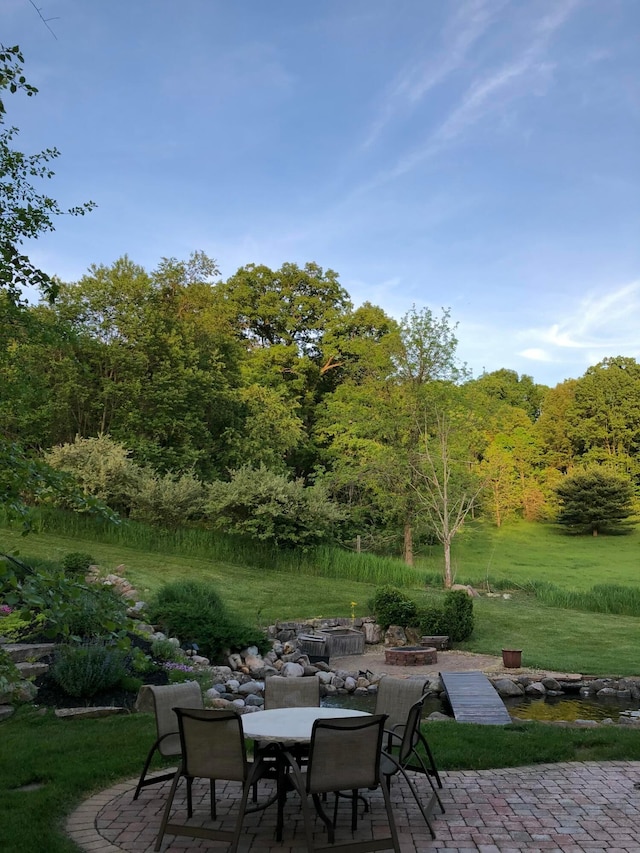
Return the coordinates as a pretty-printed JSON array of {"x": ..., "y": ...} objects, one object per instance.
[
  {"x": 528, "y": 73},
  {"x": 603, "y": 321},
  {"x": 419, "y": 77},
  {"x": 535, "y": 354}
]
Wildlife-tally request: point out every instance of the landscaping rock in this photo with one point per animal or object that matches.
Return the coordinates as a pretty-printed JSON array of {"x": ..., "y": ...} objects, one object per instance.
[
  {"x": 87, "y": 712},
  {"x": 395, "y": 636},
  {"x": 292, "y": 670},
  {"x": 536, "y": 688},
  {"x": 508, "y": 688}
]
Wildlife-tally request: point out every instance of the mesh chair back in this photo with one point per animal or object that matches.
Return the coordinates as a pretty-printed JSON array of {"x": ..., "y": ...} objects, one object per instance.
[
  {"x": 396, "y": 696},
  {"x": 212, "y": 744},
  {"x": 280, "y": 692},
  {"x": 345, "y": 753},
  {"x": 162, "y": 700},
  {"x": 410, "y": 732}
]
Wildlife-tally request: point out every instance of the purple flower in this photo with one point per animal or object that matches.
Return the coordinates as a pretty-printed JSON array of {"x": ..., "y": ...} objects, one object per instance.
[
  {"x": 5, "y": 610},
  {"x": 180, "y": 667}
]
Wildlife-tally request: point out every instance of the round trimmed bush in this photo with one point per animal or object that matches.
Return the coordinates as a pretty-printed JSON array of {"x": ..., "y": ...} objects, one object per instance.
[{"x": 194, "y": 612}]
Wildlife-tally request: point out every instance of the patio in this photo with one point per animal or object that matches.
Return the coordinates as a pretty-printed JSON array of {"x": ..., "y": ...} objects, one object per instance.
[{"x": 574, "y": 807}]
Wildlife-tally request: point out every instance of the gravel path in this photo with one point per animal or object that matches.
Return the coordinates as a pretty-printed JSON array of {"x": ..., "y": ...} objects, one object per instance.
[{"x": 449, "y": 661}]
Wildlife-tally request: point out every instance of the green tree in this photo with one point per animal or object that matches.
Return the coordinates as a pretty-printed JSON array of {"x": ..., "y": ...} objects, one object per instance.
[
  {"x": 370, "y": 425},
  {"x": 269, "y": 507},
  {"x": 553, "y": 426},
  {"x": 604, "y": 420},
  {"x": 506, "y": 386},
  {"x": 595, "y": 500},
  {"x": 27, "y": 480},
  {"x": 102, "y": 468},
  {"x": 446, "y": 488},
  {"x": 25, "y": 212},
  {"x": 163, "y": 366}
]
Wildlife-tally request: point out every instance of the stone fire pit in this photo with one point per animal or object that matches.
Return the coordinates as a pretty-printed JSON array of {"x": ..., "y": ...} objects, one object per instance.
[{"x": 410, "y": 656}]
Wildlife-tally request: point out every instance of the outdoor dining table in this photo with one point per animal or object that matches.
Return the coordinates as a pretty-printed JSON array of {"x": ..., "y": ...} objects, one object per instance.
[{"x": 283, "y": 728}]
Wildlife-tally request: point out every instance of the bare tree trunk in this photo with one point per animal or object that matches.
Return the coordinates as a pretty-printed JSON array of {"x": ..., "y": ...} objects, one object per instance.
[
  {"x": 448, "y": 575},
  {"x": 408, "y": 543}
]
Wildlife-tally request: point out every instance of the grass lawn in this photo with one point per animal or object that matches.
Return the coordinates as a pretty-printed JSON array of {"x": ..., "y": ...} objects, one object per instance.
[
  {"x": 552, "y": 638},
  {"x": 73, "y": 759},
  {"x": 524, "y": 551}
]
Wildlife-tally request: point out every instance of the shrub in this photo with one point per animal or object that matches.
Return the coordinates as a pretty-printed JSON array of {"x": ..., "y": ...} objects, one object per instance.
[
  {"x": 391, "y": 606},
  {"x": 140, "y": 663},
  {"x": 432, "y": 620},
  {"x": 165, "y": 650},
  {"x": 96, "y": 611},
  {"x": 84, "y": 670},
  {"x": 458, "y": 613},
  {"x": 194, "y": 612},
  {"x": 454, "y": 618},
  {"x": 269, "y": 507},
  {"x": 77, "y": 563}
]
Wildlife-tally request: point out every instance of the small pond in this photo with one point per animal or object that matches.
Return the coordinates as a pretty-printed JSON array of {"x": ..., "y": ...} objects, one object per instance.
[{"x": 548, "y": 709}]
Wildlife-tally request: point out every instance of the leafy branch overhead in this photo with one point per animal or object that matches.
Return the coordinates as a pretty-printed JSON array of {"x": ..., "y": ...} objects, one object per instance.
[{"x": 25, "y": 212}]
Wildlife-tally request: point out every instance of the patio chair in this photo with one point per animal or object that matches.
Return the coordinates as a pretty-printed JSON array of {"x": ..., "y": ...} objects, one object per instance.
[
  {"x": 344, "y": 755},
  {"x": 280, "y": 692},
  {"x": 406, "y": 758},
  {"x": 161, "y": 700},
  {"x": 213, "y": 747},
  {"x": 396, "y": 697}
]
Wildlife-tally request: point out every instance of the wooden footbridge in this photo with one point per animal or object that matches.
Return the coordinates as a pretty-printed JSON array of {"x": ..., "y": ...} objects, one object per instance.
[{"x": 474, "y": 699}]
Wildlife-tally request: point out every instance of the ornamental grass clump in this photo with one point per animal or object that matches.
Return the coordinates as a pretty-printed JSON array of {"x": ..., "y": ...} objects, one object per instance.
[{"x": 86, "y": 669}]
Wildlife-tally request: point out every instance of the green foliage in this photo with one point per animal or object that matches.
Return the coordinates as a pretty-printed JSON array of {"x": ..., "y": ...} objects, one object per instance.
[
  {"x": 269, "y": 507},
  {"x": 25, "y": 480},
  {"x": 165, "y": 650},
  {"x": 139, "y": 662},
  {"x": 391, "y": 606},
  {"x": 178, "y": 673},
  {"x": 58, "y": 605},
  {"x": 26, "y": 213},
  {"x": 432, "y": 620},
  {"x": 9, "y": 673},
  {"x": 77, "y": 563},
  {"x": 458, "y": 615},
  {"x": 168, "y": 501},
  {"x": 84, "y": 670},
  {"x": 194, "y": 612},
  {"x": 601, "y": 598},
  {"x": 594, "y": 501},
  {"x": 95, "y": 611},
  {"x": 102, "y": 467},
  {"x": 453, "y": 617}
]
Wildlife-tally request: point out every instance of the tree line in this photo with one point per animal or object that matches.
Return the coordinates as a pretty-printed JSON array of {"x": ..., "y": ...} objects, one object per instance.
[
  {"x": 268, "y": 404},
  {"x": 276, "y": 372}
]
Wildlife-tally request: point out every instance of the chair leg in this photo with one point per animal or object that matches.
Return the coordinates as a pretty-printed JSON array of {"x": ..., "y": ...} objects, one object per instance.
[
  {"x": 432, "y": 762},
  {"x": 189, "y": 797},
  {"x": 147, "y": 764},
  {"x": 212, "y": 795},
  {"x": 426, "y": 773},
  {"x": 390, "y": 818},
  {"x": 413, "y": 790},
  {"x": 167, "y": 809}
]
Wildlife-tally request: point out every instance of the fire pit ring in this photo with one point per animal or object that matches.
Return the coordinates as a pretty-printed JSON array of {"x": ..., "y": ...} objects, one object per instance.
[{"x": 410, "y": 656}]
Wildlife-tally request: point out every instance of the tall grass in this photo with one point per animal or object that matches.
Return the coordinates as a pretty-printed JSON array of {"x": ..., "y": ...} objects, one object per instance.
[
  {"x": 602, "y": 598},
  {"x": 323, "y": 561}
]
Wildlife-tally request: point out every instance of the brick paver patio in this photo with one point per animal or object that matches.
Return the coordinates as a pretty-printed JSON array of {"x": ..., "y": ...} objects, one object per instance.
[{"x": 586, "y": 807}]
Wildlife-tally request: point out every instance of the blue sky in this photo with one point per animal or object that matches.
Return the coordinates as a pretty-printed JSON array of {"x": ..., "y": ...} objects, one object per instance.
[{"x": 480, "y": 155}]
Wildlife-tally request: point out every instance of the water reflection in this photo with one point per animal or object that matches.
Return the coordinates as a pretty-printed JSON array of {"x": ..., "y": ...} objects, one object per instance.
[
  {"x": 568, "y": 708},
  {"x": 546, "y": 709}
]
